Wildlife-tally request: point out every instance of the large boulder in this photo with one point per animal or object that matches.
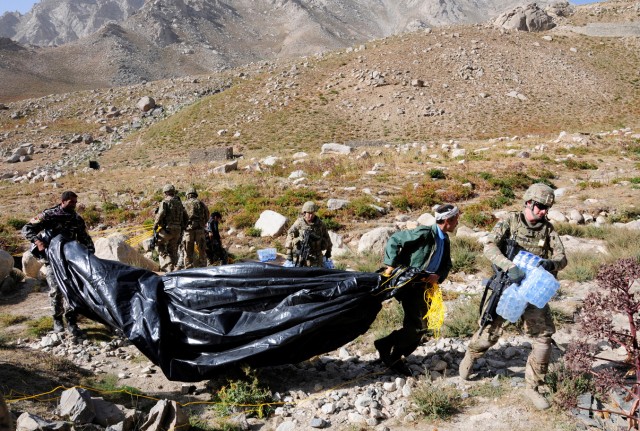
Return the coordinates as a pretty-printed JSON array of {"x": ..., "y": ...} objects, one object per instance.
[
  {"x": 271, "y": 223},
  {"x": 166, "y": 415},
  {"x": 528, "y": 18},
  {"x": 375, "y": 240},
  {"x": 31, "y": 265},
  {"x": 115, "y": 247},
  {"x": 6, "y": 264}
]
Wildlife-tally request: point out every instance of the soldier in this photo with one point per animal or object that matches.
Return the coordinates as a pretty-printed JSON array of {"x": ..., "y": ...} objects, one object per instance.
[
  {"x": 5, "y": 416},
  {"x": 319, "y": 239},
  {"x": 532, "y": 232},
  {"x": 197, "y": 216},
  {"x": 61, "y": 219},
  {"x": 215, "y": 251},
  {"x": 426, "y": 248},
  {"x": 171, "y": 219}
]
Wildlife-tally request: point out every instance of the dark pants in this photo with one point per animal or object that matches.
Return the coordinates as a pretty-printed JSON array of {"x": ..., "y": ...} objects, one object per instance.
[{"x": 403, "y": 341}]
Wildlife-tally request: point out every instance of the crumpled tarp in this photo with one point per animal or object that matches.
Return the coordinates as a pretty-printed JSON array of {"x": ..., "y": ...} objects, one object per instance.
[{"x": 194, "y": 323}]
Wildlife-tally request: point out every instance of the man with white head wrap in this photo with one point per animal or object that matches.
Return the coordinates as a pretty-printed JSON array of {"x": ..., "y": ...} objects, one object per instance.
[{"x": 426, "y": 248}]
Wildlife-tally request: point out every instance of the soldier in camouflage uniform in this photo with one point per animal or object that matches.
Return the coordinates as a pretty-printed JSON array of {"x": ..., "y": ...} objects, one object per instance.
[
  {"x": 194, "y": 235},
  {"x": 533, "y": 233},
  {"x": 319, "y": 237},
  {"x": 61, "y": 219},
  {"x": 171, "y": 218}
]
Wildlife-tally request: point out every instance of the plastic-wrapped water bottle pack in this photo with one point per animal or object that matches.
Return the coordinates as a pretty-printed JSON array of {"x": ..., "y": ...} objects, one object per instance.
[{"x": 267, "y": 254}]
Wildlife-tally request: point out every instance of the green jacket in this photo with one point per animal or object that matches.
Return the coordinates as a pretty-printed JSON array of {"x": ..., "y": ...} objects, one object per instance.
[{"x": 415, "y": 247}]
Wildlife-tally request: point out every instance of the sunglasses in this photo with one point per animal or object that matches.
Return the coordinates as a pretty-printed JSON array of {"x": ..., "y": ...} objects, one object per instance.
[{"x": 540, "y": 206}]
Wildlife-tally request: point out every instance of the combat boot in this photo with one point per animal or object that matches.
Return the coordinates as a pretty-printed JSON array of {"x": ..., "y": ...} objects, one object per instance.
[
  {"x": 384, "y": 350},
  {"x": 538, "y": 400},
  {"x": 58, "y": 326},
  {"x": 466, "y": 366}
]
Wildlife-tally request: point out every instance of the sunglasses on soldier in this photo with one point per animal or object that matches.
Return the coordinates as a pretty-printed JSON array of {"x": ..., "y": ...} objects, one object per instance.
[{"x": 540, "y": 206}]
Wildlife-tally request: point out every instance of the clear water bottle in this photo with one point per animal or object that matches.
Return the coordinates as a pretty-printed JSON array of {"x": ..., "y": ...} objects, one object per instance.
[
  {"x": 526, "y": 261},
  {"x": 538, "y": 287},
  {"x": 511, "y": 304},
  {"x": 267, "y": 254}
]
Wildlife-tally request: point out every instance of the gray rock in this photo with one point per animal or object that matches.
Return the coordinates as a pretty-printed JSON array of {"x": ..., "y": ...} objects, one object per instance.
[
  {"x": 30, "y": 422},
  {"x": 76, "y": 405},
  {"x": 333, "y": 148}
]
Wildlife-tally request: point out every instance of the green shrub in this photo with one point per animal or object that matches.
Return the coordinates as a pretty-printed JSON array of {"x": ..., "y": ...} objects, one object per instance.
[
  {"x": 581, "y": 267},
  {"x": 566, "y": 386},
  {"x": 242, "y": 220},
  {"x": 244, "y": 396},
  {"x": 436, "y": 173},
  {"x": 254, "y": 232},
  {"x": 331, "y": 223},
  {"x": 464, "y": 254},
  {"x": 435, "y": 402},
  {"x": 40, "y": 326},
  {"x": 579, "y": 165},
  {"x": 107, "y": 385},
  {"x": 16, "y": 223},
  {"x": 478, "y": 216},
  {"x": 361, "y": 207},
  {"x": 91, "y": 215},
  {"x": 108, "y": 206},
  {"x": 462, "y": 320}
]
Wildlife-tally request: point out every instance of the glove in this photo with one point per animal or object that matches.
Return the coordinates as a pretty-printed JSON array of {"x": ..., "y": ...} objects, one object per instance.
[
  {"x": 515, "y": 274},
  {"x": 547, "y": 264},
  {"x": 327, "y": 255},
  {"x": 387, "y": 272}
]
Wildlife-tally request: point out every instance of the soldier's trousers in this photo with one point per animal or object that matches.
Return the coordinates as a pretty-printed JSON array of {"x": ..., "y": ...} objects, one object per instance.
[
  {"x": 168, "y": 243},
  {"x": 5, "y": 416},
  {"x": 538, "y": 324},
  {"x": 403, "y": 341},
  {"x": 190, "y": 239},
  {"x": 59, "y": 304}
]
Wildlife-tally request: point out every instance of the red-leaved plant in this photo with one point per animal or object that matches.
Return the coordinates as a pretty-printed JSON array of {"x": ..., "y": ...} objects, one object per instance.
[{"x": 618, "y": 295}]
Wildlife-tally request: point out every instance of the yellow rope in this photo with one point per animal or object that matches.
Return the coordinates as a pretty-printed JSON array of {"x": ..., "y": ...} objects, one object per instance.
[{"x": 437, "y": 309}]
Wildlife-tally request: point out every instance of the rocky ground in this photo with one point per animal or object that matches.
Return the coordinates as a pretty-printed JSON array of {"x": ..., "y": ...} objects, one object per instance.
[{"x": 345, "y": 389}]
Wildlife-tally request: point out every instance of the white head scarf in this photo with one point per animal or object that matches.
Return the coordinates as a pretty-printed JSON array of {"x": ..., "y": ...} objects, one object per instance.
[{"x": 446, "y": 214}]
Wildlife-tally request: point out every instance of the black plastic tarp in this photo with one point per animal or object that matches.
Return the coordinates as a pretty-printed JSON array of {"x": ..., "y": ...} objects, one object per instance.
[{"x": 194, "y": 323}]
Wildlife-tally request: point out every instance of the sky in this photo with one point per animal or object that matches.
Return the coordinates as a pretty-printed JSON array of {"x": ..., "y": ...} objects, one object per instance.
[{"x": 24, "y": 6}]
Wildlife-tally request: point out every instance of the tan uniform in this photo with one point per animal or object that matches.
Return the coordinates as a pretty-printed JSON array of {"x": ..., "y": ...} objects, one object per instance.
[
  {"x": 197, "y": 215},
  {"x": 171, "y": 219},
  {"x": 319, "y": 241},
  {"x": 539, "y": 239}
]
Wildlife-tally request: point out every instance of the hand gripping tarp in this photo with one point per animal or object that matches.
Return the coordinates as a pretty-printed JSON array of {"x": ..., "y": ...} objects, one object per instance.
[{"x": 194, "y": 323}]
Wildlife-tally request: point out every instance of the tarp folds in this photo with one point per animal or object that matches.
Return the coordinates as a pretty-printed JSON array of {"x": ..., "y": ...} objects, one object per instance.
[{"x": 194, "y": 323}]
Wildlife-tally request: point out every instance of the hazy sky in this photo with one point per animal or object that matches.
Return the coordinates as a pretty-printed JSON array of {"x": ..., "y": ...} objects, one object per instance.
[{"x": 24, "y": 6}]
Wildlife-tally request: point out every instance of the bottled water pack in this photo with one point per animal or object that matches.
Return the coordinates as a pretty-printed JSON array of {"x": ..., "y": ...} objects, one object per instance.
[
  {"x": 511, "y": 304},
  {"x": 539, "y": 286},
  {"x": 526, "y": 261},
  {"x": 267, "y": 254}
]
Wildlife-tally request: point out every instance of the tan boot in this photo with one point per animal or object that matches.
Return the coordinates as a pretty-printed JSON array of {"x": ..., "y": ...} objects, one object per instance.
[
  {"x": 466, "y": 366},
  {"x": 538, "y": 400}
]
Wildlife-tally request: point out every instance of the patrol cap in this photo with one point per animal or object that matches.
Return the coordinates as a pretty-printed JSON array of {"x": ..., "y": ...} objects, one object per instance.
[
  {"x": 309, "y": 207},
  {"x": 169, "y": 188},
  {"x": 540, "y": 193}
]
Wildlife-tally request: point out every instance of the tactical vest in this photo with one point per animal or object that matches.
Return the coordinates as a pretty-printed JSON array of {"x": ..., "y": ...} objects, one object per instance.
[
  {"x": 196, "y": 214},
  {"x": 174, "y": 211}
]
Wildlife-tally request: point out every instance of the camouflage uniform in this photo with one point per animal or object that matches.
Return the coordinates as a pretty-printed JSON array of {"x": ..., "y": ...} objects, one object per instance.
[
  {"x": 319, "y": 240},
  {"x": 197, "y": 215},
  {"x": 539, "y": 239},
  {"x": 68, "y": 223},
  {"x": 171, "y": 218}
]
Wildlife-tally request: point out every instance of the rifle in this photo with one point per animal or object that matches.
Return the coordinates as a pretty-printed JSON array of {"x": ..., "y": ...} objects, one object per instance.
[
  {"x": 497, "y": 284},
  {"x": 305, "y": 247},
  {"x": 154, "y": 239}
]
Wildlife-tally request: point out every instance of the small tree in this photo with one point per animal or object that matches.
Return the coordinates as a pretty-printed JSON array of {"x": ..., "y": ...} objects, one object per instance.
[{"x": 618, "y": 295}]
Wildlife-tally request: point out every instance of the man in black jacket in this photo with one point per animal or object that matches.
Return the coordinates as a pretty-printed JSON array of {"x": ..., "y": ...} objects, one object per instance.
[{"x": 61, "y": 219}]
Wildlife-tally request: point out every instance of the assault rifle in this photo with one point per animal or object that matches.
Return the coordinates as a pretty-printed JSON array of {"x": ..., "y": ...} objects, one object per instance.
[
  {"x": 497, "y": 285},
  {"x": 305, "y": 247},
  {"x": 154, "y": 239}
]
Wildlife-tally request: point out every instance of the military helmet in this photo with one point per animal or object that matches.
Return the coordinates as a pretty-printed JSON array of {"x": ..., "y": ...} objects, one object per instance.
[
  {"x": 192, "y": 191},
  {"x": 309, "y": 207},
  {"x": 169, "y": 188},
  {"x": 541, "y": 193}
]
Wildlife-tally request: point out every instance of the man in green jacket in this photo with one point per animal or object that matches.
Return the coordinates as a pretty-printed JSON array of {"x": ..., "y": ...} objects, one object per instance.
[{"x": 426, "y": 248}]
